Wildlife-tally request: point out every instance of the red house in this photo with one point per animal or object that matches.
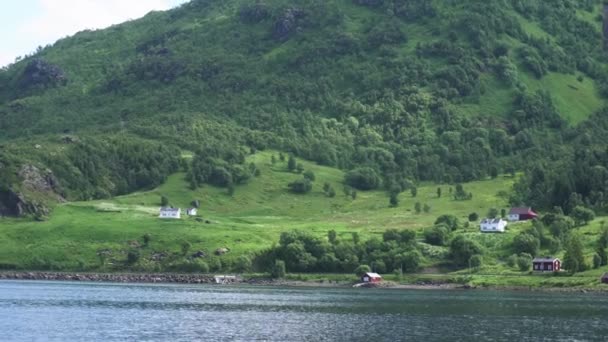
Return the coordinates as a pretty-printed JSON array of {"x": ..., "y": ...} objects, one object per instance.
[
  {"x": 546, "y": 265},
  {"x": 604, "y": 278},
  {"x": 371, "y": 278},
  {"x": 521, "y": 214}
]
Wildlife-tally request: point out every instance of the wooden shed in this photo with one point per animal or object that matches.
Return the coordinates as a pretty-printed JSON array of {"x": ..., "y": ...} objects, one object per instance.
[
  {"x": 546, "y": 265},
  {"x": 370, "y": 277}
]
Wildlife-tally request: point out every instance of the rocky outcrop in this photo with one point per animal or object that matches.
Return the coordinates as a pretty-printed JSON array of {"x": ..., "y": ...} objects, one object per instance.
[
  {"x": 36, "y": 186},
  {"x": 287, "y": 24},
  {"x": 42, "y": 74},
  {"x": 37, "y": 180}
]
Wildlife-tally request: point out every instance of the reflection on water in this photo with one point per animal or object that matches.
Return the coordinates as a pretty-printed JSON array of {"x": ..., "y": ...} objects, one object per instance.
[{"x": 108, "y": 312}]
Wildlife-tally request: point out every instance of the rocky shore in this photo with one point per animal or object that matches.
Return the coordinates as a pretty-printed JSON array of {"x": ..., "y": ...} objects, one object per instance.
[{"x": 110, "y": 278}]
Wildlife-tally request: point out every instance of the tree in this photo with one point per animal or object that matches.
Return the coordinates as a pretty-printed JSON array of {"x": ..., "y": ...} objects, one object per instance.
[
  {"x": 473, "y": 217},
  {"x": 273, "y": 160},
  {"x": 574, "y": 259},
  {"x": 462, "y": 249},
  {"x": 364, "y": 178},
  {"x": 410, "y": 261},
  {"x": 438, "y": 192},
  {"x": 526, "y": 243},
  {"x": 353, "y": 194},
  {"x": 582, "y": 215},
  {"x": 394, "y": 200},
  {"x": 281, "y": 156},
  {"x": 300, "y": 186},
  {"x": 503, "y": 213},
  {"x": 291, "y": 163},
  {"x": 164, "y": 201},
  {"x": 309, "y": 175},
  {"x": 492, "y": 213},
  {"x": 185, "y": 247},
  {"x": 362, "y": 269},
  {"x": 418, "y": 207},
  {"x": 332, "y": 236},
  {"x": 146, "y": 239},
  {"x": 414, "y": 191},
  {"x": 231, "y": 189},
  {"x": 601, "y": 252},
  {"x": 356, "y": 238},
  {"x": 426, "y": 208},
  {"x": 132, "y": 256},
  {"x": 278, "y": 270}
]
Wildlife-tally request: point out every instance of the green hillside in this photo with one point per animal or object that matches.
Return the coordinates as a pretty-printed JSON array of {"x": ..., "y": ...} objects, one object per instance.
[
  {"x": 384, "y": 97},
  {"x": 251, "y": 220}
]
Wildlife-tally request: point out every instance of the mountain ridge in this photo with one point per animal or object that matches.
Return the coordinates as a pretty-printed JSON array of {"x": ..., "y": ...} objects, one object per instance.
[{"x": 401, "y": 87}]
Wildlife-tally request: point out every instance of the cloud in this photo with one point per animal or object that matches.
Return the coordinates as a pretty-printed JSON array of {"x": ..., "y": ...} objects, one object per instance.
[{"x": 55, "y": 19}]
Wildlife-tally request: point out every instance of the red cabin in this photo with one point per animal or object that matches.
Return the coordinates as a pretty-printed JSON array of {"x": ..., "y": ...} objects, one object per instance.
[
  {"x": 521, "y": 214},
  {"x": 546, "y": 265},
  {"x": 604, "y": 279},
  {"x": 371, "y": 278}
]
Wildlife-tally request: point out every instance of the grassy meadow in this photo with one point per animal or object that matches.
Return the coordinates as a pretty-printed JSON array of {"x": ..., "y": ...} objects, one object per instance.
[{"x": 253, "y": 218}]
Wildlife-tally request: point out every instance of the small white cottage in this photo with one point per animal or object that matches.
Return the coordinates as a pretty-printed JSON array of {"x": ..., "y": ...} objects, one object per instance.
[
  {"x": 493, "y": 225},
  {"x": 170, "y": 213},
  {"x": 191, "y": 212}
]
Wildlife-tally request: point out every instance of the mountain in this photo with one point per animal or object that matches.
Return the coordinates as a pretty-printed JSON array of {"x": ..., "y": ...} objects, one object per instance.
[{"x": 393, "y": 91}]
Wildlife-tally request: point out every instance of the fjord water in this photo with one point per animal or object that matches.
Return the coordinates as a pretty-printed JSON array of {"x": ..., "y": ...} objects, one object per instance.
[{"x": 56, "y": 311}]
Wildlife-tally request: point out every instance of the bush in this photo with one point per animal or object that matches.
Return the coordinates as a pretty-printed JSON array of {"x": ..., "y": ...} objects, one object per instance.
[
  {"x": 437, "y": 235},
  {"x": 309, "y": 175},
  {"x": 597, "y": 261},
  {"x": 449, "y": 221},
  {"x": 278, "y": 270},
  {"x": 524, "y": 262},
  {"x": 364, "y": 178},
  {"x": 476, "y": 261},
  {"x": 526, "y": 243},
  {"x": 512, "y": 260},
  {"x": 300, "y": 186},
  {"x": 243, "y": 264},
  {"x": 582, "y": 215},
  {"x": 133, "y": 256},
  {"x": 473, "y": 217}
]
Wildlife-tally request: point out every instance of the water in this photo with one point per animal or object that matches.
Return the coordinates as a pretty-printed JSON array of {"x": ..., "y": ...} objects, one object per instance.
[{"x": 42, "y": 311}]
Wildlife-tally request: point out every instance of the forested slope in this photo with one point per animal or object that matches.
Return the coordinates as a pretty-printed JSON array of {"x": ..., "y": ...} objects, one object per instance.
[{"x": 398, "y": 91}]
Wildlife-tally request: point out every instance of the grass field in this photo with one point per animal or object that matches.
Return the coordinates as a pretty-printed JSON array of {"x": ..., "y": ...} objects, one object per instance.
[{"x": 249, "y": 221}]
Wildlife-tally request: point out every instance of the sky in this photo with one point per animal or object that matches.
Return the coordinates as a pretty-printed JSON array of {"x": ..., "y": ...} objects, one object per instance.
[{"x": 27, "y": 24}]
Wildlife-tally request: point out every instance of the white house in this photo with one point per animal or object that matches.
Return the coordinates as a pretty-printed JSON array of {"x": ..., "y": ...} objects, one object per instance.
[
  {"x": 170, "y": 213},
  {"x": 493, "y": 225},
  {"x": 191, "y": 212}
]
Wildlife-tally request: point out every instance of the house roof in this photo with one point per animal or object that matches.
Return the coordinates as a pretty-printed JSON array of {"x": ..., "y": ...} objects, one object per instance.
[
  {"x": 521, "y": 211},
  {"x": 548, "y": 259},
  {"x": 172, "y": 210},
  {"x": 494, "y": 221},
  {"x": 373, "y": 275}
]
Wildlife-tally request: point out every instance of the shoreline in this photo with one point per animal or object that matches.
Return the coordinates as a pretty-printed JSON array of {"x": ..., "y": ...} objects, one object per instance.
[{"x": 206, "y": 279}]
